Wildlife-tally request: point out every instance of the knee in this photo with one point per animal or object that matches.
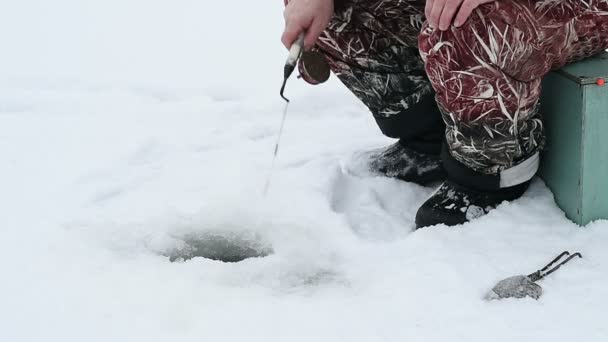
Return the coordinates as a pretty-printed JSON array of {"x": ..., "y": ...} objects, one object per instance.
[
  {"x": 494, "y": 40},
  {"x": 444, "y": 54},
  {"x": 453, "y": 49}
]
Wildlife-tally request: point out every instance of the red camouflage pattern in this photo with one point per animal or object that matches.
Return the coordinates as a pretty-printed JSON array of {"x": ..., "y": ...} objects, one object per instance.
[{"x": 487, "y": 74}]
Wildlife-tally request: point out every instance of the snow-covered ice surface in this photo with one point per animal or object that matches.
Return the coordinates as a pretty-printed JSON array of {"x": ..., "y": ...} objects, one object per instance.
[{"x": 127, "y": 125}]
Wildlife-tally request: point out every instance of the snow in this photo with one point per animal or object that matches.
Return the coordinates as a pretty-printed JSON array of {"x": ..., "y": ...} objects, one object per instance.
[{"x": 127, "y": 125}]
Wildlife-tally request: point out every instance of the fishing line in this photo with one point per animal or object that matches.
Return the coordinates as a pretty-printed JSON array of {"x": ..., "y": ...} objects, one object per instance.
[{"x": 290, "y": 65}]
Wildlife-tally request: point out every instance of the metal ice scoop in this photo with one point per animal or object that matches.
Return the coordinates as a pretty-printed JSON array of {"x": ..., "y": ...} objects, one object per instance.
[{"x": 525, "y": 286}]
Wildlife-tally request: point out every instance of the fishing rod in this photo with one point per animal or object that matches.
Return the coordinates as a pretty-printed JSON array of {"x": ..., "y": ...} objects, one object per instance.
[{"x": 295, "y": 51}]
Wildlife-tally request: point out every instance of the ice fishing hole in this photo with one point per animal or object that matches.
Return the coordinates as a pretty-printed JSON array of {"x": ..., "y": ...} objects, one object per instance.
[{"x": 225, "y": 247}]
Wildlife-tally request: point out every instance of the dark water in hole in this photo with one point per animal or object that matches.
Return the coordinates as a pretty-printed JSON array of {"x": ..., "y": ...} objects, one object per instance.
[{"x": 231, "y": 247}]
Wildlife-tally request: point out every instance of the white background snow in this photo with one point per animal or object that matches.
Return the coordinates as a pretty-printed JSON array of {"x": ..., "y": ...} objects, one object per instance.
[{"x": 126, "y": 124}]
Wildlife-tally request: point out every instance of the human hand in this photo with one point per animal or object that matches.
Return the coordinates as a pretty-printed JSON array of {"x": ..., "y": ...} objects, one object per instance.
[
  {"x": 442, "y": 13},
  {"x": 310, "y": 16}
]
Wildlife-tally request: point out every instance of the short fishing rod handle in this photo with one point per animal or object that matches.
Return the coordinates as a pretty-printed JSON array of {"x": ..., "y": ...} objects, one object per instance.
[{"x": 295, "y": 50}]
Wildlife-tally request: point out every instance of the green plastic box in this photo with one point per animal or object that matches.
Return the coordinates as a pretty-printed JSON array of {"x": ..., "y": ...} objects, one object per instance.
[{"x": 575, "y": 163}]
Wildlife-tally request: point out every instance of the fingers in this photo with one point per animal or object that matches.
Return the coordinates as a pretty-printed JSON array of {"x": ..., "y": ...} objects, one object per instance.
[
  {"x": 438, "y": 6},
  {"x": 291, "y": 33},
  {"x": 309, "y": 16},
  {"x": 313, "y": 33},
  {"x": 443, "y": 13},
  {"x": 427, "y": 8},
  {"x": 447, "y": 15},
  {"x": 465, "y": 11}
]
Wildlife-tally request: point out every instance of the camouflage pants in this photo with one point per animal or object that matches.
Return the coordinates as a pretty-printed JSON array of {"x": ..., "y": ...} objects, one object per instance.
[
  {"x": 485, "y": 76},
  {"x": 372, "y": 46}
]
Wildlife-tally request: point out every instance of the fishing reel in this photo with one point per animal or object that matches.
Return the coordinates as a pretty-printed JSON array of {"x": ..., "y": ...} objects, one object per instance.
[{"x": 313, "y": 67}]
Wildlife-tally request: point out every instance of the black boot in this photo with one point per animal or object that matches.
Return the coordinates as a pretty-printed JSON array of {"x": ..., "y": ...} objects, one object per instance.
[
  {"x": 468, "y": 194},
  {"x": 454, "y": 204},
  {"x": 408, "y": 162}
]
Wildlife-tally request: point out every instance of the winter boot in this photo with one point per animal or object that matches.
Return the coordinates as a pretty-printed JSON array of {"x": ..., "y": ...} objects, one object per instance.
[
  {"x": 453, "y": 204},
  {"x": 406, "y": 161},
  {"x": 467, "y": 194}
]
